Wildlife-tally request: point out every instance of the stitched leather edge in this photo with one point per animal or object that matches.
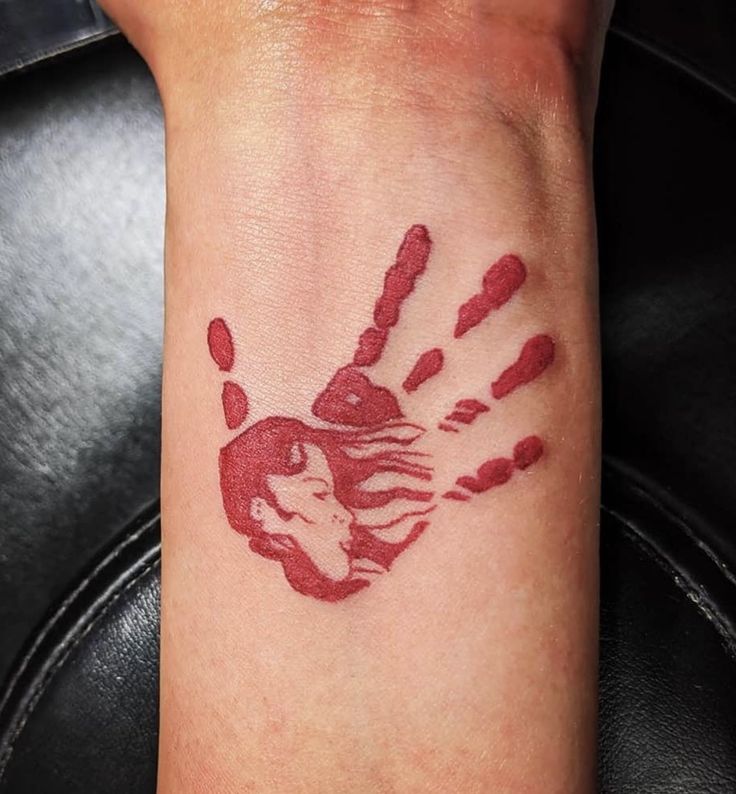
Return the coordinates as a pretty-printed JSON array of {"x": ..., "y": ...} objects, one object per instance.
[
  {"x": 136, "y": 553},
  {"x": 673, "y": 538},
  {"x": 673, "y": 57}
]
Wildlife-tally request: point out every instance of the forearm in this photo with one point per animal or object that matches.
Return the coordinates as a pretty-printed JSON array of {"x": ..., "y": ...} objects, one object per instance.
[{"x": 293, "y": 175}]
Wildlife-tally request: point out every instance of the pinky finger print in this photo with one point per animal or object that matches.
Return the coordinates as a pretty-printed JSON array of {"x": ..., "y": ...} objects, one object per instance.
[{"x": 336, "y": 500}]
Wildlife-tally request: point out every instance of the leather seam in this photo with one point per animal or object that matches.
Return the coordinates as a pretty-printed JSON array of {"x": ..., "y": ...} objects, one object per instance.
[
  {"x": 682, "y": 581},
  {"x": 629, "y": 482},
  {"x": 38, "y": 690},
  {"x": 48, "y": 57},
  {"x": 674, "y": 57},
  {"x": 120, "y": 546}
]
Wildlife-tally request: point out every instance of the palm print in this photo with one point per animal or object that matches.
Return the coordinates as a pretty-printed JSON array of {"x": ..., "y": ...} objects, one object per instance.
[{"x": 337, "y": 499}]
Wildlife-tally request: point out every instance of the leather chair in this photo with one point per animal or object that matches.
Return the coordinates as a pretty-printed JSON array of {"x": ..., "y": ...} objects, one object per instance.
[{"x": 81, "y": 222}]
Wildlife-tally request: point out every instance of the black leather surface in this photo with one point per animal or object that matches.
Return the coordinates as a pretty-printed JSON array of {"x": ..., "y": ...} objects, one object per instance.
[
  {"x": 665, "y": 176},
  {"x": 80, "y": 237},
  {"x": 32, "y": 31},
  {"x": 82, "y": 707},
  {"x": 668, "y": 612},
  {"x": 698, "y": 34}
]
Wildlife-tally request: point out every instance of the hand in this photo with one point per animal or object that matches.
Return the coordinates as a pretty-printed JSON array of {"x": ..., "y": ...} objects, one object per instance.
[{"x": 301, "y": 491}]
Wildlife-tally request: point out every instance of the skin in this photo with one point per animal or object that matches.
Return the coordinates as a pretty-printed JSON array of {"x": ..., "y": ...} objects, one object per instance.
[{"x": 303, "y": 139}]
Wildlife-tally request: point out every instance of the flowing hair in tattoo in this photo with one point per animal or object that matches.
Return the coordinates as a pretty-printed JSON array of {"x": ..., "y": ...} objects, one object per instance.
[{"x": 275, "y": 446}]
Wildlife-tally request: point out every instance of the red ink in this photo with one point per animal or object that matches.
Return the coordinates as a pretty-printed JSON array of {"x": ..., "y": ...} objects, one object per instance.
[
  {"x": 399, "y": 281},
  {"x": 460, "y": 416},
  {"x": 220, "y": 344},
  {"x": 474, "y": 406},
  {"x": 370, "y": 347},
  {"x": 234, "y": 404},
  {"x": 350, "y": 398},
  {"x": 456, "y": 496},
  {"x": 500, "y": 282},
  {"x": 466, "y": 412},
  {"x": 490, "y": 474},
  {"x": 447, "y": 428},
  {"x": 498, "y": 471},
  {"x": 297, "y": 491},
  {"x": 427, "y": 366},
  {"x": 334, "y": 505},
  {"x": 528, "y": 451},
  {"x": 411, "y": 261},
  {"x": 368, "y": 546},
  {"x": 536, "y": 355}
]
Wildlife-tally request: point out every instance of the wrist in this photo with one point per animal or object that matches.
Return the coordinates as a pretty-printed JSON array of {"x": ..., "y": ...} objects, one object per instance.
[
  {"x": 314, "y": 137},
  {"x": 504, "y": 69}
]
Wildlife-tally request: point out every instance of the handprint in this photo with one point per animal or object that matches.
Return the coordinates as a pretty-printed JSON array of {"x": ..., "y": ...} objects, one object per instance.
[{"x": 336, "y": 500}]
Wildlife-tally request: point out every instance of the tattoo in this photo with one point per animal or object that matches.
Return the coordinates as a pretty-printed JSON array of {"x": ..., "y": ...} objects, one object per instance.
[
  {"x": 428, "y": 365},
  {"x": 500, "y": 282},
  {"x": 465, "y": 412},
  {"x": 337, "y": 499}
]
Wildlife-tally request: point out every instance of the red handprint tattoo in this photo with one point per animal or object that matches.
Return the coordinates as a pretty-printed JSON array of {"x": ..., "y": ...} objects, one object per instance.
[{"x": 336, "y": 499}]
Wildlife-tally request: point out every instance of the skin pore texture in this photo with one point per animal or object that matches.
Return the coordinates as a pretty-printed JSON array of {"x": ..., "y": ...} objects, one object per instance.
[{"x": 381, "y": 399}]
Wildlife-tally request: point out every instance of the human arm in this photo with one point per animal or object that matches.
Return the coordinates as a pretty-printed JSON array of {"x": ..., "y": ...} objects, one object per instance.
[{"x": 303, "y": 141}]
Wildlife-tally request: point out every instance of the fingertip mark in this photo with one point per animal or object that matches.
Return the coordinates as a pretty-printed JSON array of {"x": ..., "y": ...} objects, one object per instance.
[
  {"x": 499, "y": 471},
  {"x": 463, "y": 417},
  {"x": 220, "y": 343},
  {"x": 426, "y": 367},
  {"x": 528, "y": 451},
  {"x": 456, "y": 496},
  {"x": 503, "y": 278},
  {"x": 398, "y": 284},
  {"x": 370, "y": 346},
  {"x": 536, "y": 355},
  {"x": 490, "y": 474},
  {"x": 476, "y": 406},
  {"x": 400, "y": 278},
  {"x": 500, "y": 282},
  {"x": 466, "y": 412},
  {"x": 234, "y": 404}
]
